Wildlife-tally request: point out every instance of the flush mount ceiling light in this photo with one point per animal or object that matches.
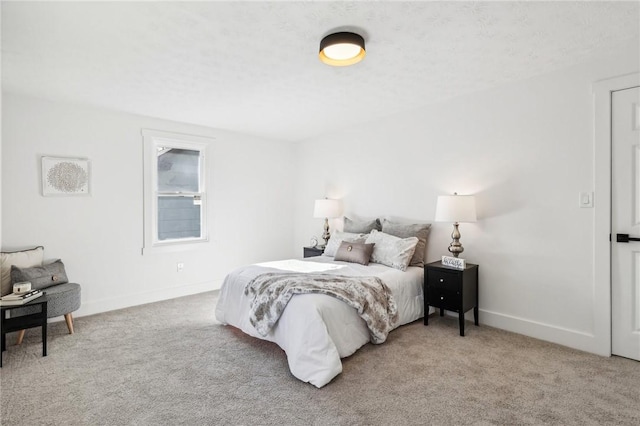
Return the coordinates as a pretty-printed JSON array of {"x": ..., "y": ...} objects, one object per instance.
[{"x": 342, "y": 49}]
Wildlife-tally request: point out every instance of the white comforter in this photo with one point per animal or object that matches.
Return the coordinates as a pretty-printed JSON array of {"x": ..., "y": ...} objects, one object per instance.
[{"x": 316, "y": 330}]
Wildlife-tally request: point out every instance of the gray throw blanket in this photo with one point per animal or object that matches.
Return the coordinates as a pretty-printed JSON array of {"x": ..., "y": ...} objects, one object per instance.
[{"x": 368, "y": 295}]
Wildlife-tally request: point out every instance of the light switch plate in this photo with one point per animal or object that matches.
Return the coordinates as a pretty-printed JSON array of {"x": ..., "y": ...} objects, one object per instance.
[{"x": 586, "y": 199}]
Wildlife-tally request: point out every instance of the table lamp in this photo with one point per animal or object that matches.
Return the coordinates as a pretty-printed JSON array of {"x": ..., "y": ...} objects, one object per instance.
[
  {"x": 456, "y": 208},
  {"x": 327, "y": 209}
]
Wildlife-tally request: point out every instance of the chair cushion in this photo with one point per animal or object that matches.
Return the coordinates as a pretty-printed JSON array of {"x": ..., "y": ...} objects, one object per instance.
[{"x": 62, "y": 299}]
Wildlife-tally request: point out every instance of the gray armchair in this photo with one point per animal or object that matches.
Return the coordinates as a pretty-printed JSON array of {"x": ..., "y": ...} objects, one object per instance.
[{"x": 63, "y": 296}]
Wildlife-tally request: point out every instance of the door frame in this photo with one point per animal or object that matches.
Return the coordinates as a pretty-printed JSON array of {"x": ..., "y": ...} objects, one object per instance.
[{"x": 602, "y": 91}]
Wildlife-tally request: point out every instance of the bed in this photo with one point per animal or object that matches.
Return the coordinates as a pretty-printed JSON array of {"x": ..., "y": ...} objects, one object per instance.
[{"x": 317, "y": 330}]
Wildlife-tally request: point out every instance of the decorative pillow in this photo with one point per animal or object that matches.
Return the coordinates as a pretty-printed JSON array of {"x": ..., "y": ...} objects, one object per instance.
[
  {"x": 390, "y": 250},
  {"x": 354, "y": 252},
  {"x": 361, "y": 227},
  {"x": 337, "y": 237},
  {"x": 22, "y": 259},
  {"x": 40, "y": 276},
  {"x": 418, "y": 230}
]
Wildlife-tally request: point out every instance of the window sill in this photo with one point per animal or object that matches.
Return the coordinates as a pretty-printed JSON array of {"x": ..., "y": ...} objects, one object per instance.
[{"x": 174, "y": 247}]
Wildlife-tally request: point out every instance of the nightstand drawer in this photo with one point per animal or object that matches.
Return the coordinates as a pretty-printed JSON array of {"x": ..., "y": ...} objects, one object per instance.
[
  {"x": 444, "y": 280},
  {"x": 444, "y": 298}
]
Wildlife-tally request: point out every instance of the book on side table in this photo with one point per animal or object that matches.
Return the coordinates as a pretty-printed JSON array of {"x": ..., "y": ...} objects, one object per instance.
[{"x": 15, "y": 299}]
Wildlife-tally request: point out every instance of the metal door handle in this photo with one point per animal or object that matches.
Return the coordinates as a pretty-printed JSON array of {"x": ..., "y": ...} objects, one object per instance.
[{"x": 625, "y": 238}]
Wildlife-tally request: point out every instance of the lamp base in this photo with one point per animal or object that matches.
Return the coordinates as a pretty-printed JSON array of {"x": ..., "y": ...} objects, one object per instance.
[
  {"x": 326, "y": 234},
  {"x": 455, "y": 248}
]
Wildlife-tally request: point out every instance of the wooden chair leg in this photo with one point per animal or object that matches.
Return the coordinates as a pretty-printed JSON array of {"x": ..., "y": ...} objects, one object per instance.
[
  {"x": 20, "y": 337},
  {"x": 69, "y": 319}
]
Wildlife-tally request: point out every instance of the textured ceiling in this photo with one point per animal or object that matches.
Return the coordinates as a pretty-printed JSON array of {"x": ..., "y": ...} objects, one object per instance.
[{"x": 252, "y": 67}]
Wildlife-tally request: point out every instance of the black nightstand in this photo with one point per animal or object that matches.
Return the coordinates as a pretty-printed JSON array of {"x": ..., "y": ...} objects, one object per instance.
[
  {"x": 313, "y": 251},
  {"x": 451, "y": 289}
]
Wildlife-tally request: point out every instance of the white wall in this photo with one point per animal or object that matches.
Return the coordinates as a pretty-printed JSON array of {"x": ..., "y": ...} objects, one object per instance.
[
  {"x": 526, "y": 151},
  {"x": 99, "y": 238}
]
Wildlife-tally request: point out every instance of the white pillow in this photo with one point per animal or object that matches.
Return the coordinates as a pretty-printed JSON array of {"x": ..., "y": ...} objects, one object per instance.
[
  {"x": 338, "y": 237},
  {"x": 390, "y": 250},
  {"x": 22, "y": 259}
]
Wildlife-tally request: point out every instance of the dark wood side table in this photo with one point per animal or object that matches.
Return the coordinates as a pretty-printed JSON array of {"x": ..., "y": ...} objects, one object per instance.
[
  {"x": 451, "y": 289},
  {"x": 36, "y": 319},
  {"x": 313, "y": 251}
]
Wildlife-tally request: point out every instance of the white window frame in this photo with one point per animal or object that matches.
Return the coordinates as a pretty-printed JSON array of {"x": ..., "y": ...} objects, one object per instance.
[{"x": 152, "y": 139}]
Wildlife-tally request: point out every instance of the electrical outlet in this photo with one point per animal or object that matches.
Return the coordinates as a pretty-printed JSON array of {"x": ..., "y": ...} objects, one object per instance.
[{"x": 180, "y": 266}]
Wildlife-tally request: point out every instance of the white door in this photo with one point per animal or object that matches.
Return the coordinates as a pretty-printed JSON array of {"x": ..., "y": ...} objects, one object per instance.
[{"x": 625, "y": 220}]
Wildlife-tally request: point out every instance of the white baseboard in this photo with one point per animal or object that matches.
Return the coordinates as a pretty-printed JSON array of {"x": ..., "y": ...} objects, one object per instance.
[
  {"x": 126, "y": 301},
  {"x": 576, "y": 339}
]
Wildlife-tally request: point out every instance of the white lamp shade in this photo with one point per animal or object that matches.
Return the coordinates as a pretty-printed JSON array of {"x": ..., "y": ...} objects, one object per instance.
[
  {"x": 327, "y": 208},
  {"x": 456, "y": 208}
]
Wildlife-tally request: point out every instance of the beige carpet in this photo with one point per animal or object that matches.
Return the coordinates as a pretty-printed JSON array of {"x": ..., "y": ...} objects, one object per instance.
[{"x": 169, "y": 363}]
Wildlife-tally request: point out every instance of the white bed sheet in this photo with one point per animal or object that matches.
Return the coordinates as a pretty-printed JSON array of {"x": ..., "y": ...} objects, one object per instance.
[{"x": 316, "y": 330}]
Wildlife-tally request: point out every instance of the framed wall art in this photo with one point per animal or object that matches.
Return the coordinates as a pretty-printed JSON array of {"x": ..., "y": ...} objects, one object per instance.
[{"x": 63, "y": 176}]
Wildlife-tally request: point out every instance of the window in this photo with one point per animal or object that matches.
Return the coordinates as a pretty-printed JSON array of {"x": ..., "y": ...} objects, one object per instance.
[{"x": 175, "y": 202}]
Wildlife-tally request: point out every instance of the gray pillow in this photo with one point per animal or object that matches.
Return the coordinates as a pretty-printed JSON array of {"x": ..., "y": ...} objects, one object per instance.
[
  {"x": 40, "y": 276},
  {"x": 361, "y": 227},
  {"x": 391, "y": 250},
  {"x": 418, "y": 230},
  {"x": 354, "y": 252}
]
